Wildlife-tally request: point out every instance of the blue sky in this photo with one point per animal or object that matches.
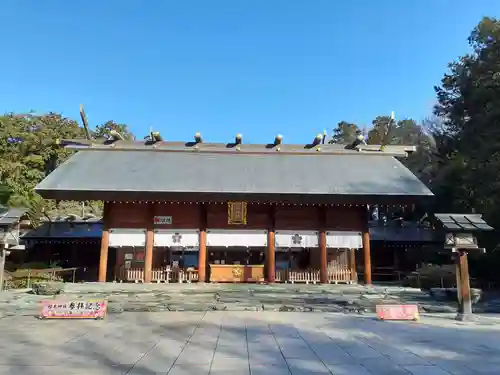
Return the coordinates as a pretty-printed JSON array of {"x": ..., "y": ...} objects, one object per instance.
[{"x": 258, "y": 67}]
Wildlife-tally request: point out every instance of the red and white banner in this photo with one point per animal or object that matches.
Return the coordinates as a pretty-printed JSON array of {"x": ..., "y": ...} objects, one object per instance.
[
  {"x": 397, "y": 312},
  {"x": 56, "y": 309}
]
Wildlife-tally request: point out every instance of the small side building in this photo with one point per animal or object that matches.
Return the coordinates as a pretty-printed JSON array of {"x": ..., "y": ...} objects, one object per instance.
[{"x": 72, "y": 243}]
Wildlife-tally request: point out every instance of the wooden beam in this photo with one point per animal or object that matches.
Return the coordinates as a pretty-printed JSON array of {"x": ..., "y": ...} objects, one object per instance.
[
  {"x": 103, "y": 260},
  {"x": 323, "y": 271},
  {"x": 367, "y": 257},
  {"x": 148, "y": 255},
  {"x": 271, "y": 246},
  {"x": 202, "y": 254},
  {"x": 463, "y": 287}
]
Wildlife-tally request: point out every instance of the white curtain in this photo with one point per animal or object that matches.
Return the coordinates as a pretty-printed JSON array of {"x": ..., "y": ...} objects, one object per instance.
[
  {"x": 235, "y": 237},
  {"x": 127, "y": 237},
  {"x": 296, "y": 239},
  {"x": 177, "y": 237},
  {"x": 344, "y": 240}
]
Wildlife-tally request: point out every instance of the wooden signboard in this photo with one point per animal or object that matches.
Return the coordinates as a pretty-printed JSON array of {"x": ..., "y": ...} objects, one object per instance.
[
  {"x": 397, "y": 312},
  {"x": 56, "y": 309},
  {"x": 237, "y": 213},
  {"x": 162, "y": 220}
]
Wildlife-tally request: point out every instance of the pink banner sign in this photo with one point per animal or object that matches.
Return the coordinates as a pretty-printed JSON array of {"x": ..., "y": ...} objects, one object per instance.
[
  {"x": 397, "y": 312},
  {"x": 55, "y": 309}
]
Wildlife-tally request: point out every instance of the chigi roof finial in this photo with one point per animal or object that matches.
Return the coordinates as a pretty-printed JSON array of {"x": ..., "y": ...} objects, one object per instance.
[
  {"x": 198, "y": 138},
  {"x": 238, "y": 139}
]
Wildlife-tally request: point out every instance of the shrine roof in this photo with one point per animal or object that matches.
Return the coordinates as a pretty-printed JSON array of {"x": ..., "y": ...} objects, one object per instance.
[{"x": 316, "y": 177}]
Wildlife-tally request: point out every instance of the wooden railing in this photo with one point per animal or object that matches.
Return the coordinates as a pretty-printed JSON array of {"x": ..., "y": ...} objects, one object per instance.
[
  {"x": 339, "y": 276},
  {"x": 159, "y": 275},
  {"x": 164, "y": 275},
  {"x": 311, "y": 276}
]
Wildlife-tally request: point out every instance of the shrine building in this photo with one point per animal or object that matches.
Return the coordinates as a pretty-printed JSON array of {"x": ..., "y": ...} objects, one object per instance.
[{"x": 236, "y": 212}]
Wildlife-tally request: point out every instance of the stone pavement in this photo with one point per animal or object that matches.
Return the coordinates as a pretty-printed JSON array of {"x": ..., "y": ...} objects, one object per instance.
[
  {"x": 239, "y": 343},
  {"x": 230, "y": 297}
]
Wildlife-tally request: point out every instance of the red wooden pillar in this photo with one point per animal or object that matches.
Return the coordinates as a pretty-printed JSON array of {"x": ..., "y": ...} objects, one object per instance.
[
  {"x": 202, "y": 255},
  {"x": 367, "y": 257},
  {"x": 323, "y": 271},
  {"x": 352, "y": 265},
  {"x": 271, "y": 246},
  {"x": 148, "y": 255},
  {"x": 103, "y": 259}
]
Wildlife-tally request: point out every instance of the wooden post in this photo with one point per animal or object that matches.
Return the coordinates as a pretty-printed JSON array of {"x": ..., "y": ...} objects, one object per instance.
[
  {"x": 202, "y": 254},
  {"x": 459, "y": 279},
  {"x": 103, "y": 260},
  {"x": 3, "y": 255},
  {"x": 148, "y": 255},
  {"x": 271, "y": 246},
  {"x": 367, "y": 257},
  {"x": 323, "y": 271},
  {"x": 352, "y": 265},
  {"x": 463, "y": 287}
]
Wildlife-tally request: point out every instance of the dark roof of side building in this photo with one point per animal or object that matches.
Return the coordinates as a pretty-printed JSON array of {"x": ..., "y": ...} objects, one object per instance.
[
  {"x": 173, "y": 175},
  {"x": 65, "y": 229}
]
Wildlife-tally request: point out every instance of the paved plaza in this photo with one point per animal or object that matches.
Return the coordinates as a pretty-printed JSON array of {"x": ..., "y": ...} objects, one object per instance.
[{"x": 239, "y": 343}]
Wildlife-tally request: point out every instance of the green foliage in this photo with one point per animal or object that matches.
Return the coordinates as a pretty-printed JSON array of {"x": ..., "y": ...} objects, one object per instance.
[
  {"x": 377, "y": 134},
  {"x": 467, "y": 156},
  {"x": 29, "y": 151},
  {"x": 344, "y": 133},
  {"x": 101, "y": 131},
  {"x": 469, "y": 100}
]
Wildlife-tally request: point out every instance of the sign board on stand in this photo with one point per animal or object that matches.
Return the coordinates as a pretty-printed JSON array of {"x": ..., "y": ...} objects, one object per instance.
[
  {"x": 56, "y": 309},
  {"x": 398, "y": 312}
]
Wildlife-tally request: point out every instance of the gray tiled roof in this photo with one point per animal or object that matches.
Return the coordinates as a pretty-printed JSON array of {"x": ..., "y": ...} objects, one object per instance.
[
  {"x": 100, "y": 171},
  {"x": 463, "y": 222}
]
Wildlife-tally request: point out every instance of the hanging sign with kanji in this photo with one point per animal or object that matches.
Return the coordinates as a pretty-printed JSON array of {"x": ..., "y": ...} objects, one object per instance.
[
  {"x": 237, "y": 213},
  {"x": 80, "y": 309},
  {"x": 162, "y": 220}
]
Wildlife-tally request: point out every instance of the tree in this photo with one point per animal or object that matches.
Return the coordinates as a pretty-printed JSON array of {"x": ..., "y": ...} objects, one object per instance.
[
  {"x": 102, "y": 131},
  {"x": 469, "y": 159},
  {"x": 29, "y": 151},
  {"x": 344, "y": 133},
  {"x": 378, "y": 132},
  {"x": 469, "y": 101}
]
